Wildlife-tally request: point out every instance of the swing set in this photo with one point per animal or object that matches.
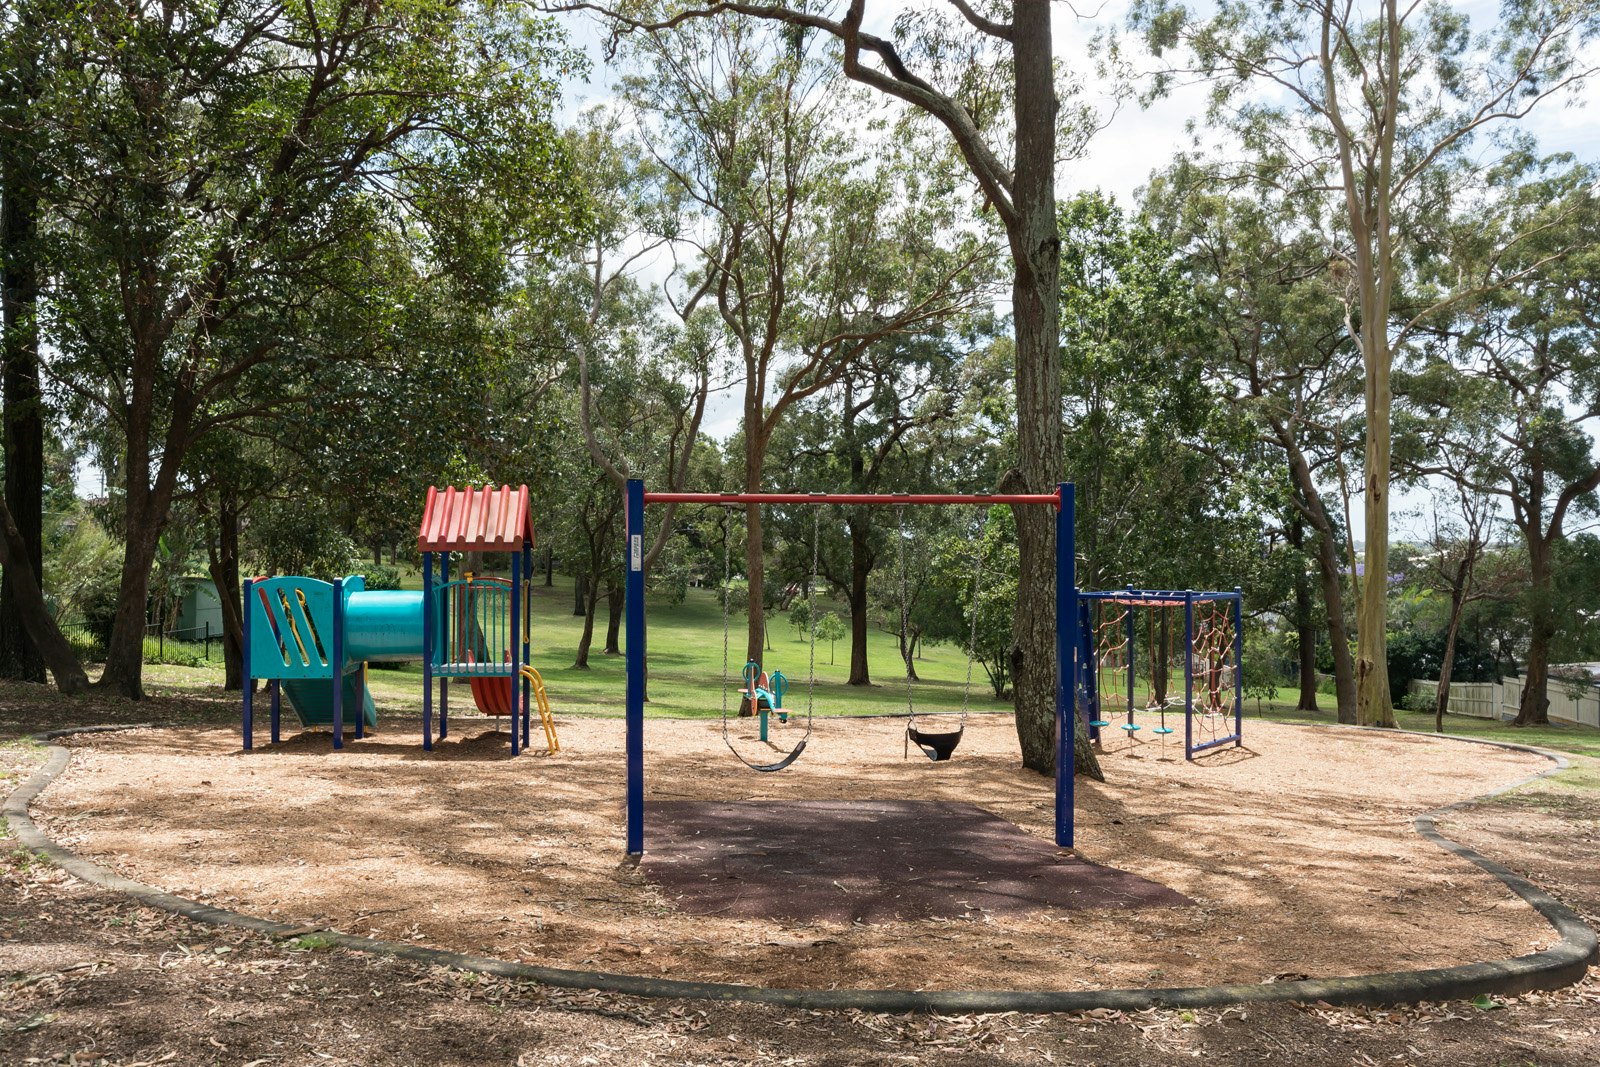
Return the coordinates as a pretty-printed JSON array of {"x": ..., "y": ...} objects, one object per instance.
[
  {"x": 765, "y": 692},
  {"x": 936, "y": 745}
]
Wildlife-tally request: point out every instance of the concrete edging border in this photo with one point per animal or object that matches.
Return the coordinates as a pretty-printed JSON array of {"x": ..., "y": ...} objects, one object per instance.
[{"x": 1560, "y": 965}]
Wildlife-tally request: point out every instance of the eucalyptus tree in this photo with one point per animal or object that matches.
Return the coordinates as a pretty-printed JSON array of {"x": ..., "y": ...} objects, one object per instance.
[
  {"x": 648, "y": 356},
  {"x": 1281, "y": 354},
  {"x": 1133, "y": 388},
  {"x": 1381, "y": 114},
  {"x": 1508, "y": 392},
  {"x": 986, "y": 73},
  {"x": 809, "y": 248},
  {"x": 219, "y": 168},
  {"x": 879, "y": 428}
]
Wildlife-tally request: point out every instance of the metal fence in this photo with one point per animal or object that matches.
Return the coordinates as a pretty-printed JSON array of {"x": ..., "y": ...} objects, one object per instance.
[{"x": 192, "y": 635}]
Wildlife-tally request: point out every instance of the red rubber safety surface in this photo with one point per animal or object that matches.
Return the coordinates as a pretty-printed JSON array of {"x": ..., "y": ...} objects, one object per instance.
[{"x": 870, "y": 861}]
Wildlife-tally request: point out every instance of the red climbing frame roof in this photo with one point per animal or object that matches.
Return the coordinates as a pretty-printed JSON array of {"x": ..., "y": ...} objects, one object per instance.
[{"x": 476, "y": 520}]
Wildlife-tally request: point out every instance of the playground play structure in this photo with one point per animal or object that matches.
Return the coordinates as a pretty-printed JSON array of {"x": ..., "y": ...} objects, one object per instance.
[
  {"x": 1137, "y": 646},
  {"x": 311, "y": 640}
]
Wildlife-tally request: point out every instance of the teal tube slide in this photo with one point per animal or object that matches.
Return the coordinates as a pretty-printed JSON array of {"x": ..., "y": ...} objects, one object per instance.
[{"x": 383, "y": 626}]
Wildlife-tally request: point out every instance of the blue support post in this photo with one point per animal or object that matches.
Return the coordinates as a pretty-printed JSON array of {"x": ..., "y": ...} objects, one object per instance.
[
  {"x": 1088, "y": 669},
  {"x": 1066, "y": 665},
  {"x": 444, "y": 680},
  {"x": 247, "y": 724},
  {"x": 427, "y": 651},
  {"x": 511, "y": 641},
  {"x": 1238, "y": 667},
  {"x": 517, "y": 681},
  {"x": 634, "y": 599},
  {"x": 276, "y": 706},
  {"x": 1188, "y": 674},
  {"x": 337, "y": 664},
  {"x": 1131, "y": 612}
]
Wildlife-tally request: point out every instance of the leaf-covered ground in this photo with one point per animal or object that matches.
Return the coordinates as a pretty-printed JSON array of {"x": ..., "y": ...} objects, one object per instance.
[{"x": 87, "y": 978}]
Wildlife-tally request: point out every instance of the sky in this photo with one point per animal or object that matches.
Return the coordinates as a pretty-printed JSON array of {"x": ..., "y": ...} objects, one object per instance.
[{"x": 1136, "y": 142}]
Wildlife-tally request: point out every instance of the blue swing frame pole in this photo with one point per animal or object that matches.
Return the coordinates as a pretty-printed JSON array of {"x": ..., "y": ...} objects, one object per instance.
[
  {"x": 1188, "y": 676},
  {"x": 1066, "y": 660},
  {"x": 633, "y": 593},
  {"x": 1238, "y": 667}
]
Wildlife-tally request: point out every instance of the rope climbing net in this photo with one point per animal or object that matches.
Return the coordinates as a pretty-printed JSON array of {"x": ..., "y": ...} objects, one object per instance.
[{"x": 1159, "y": 662}]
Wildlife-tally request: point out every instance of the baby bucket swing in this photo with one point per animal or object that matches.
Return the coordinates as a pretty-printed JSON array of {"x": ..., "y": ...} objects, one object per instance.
[{"x": 938, "y": 746}]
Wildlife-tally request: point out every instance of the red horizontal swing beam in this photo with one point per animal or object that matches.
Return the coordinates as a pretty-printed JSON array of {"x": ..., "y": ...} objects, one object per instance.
[{"x": 1051, "y": 499}]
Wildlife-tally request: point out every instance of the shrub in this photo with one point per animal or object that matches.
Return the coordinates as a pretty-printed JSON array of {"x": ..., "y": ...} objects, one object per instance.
[{"x": 380, "y": 577}]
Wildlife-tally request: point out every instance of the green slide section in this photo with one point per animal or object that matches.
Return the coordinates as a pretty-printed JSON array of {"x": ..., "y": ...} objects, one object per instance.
[{"x": 312, "y": 700}]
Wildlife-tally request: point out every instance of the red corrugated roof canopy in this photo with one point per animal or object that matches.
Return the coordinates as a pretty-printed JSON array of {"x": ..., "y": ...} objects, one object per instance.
[{"x": 476, "y": 520}]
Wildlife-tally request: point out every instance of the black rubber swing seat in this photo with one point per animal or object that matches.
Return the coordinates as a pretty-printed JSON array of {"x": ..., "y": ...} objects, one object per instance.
[{"x": 937, "y": 747}]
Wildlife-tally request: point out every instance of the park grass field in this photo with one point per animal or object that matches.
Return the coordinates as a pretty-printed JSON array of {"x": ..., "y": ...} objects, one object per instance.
[{"x": 686, "y": 671}]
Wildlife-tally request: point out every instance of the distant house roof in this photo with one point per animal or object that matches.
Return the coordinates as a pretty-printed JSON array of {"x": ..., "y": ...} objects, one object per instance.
[{"x": 476, "y": 520}]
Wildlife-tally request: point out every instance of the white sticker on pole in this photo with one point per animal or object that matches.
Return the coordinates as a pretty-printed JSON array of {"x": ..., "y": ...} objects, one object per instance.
[{"x": 636, "y": 551}]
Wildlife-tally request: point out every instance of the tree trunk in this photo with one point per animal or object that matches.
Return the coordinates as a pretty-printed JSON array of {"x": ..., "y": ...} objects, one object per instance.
[
  {"x": 860, "y": 571},
  {"x": 1441, "y": 702},
  {"x": 580, "y": 586},
  {"x": 1535, "y": 707},
  {"x": 614, "y": 596},
  {"x": 1329, "y": 573},
  {"x": 53, "y": 648},
  {"x": 19, "y": 357},
  {"x": 225, "y": 574},
  {"x": 591, "y": 584},
  {"x": 1036, "y": 253},
  {"x": 906, "y": 656},
  {"x": 549, "y": 568},
  {"x": 1304, "y": 624}
]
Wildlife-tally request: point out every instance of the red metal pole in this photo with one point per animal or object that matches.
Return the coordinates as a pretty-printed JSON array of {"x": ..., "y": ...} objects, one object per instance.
[{"x": 1049, "y": 499}]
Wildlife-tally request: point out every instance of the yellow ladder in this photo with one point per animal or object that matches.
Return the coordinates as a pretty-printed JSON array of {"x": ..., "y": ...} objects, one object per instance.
[{"x": 544, "y": 708}]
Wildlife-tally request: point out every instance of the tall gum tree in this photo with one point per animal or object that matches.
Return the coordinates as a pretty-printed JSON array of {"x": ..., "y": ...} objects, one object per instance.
[
  {"x": 986, "y": 74},
  {"x": 810, "y": 252},
  {"x": 1283, "y": 350},
  {"x": 1386, "y": 111},
  {"x": 1507, "y": 397}
]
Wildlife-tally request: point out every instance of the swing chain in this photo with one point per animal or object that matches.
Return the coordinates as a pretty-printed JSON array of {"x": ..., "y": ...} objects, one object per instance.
[
  {"x": 905, "y": 611},
  {"x": 977, "y": 591},
  {"x": 811, "y": 610}
]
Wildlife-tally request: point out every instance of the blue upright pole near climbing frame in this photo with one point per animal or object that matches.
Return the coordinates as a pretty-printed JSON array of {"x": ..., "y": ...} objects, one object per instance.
[
  {"x": 1238, "y": 667},
  {"x": 633, "y": 591},
  {"x": 514, "y": 623},
  {"x": 1131, "y": 610},
  {"x": 1188, "y": 674},
  {"x": 1066, "y": 661}
]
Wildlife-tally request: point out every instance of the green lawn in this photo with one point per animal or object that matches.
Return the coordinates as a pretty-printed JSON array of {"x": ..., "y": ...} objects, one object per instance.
[{"x": 686, "y": 665}]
